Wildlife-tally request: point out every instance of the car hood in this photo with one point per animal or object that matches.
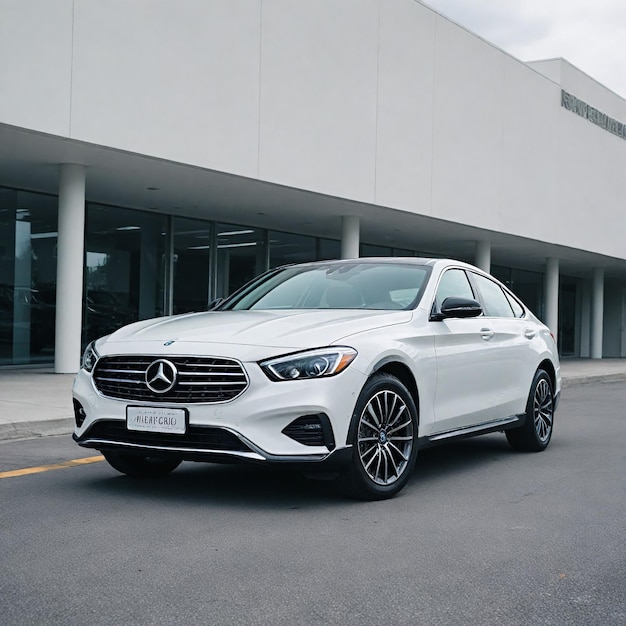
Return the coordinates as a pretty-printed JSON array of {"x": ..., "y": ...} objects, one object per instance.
[{"x": 283, "y": 330}]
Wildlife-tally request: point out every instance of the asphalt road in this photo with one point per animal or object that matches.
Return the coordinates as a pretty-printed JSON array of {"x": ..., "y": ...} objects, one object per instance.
[{"x": 481, "y": 535}]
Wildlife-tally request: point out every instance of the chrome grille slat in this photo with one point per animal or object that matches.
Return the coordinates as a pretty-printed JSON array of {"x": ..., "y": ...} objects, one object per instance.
[
  {"x": 119, "y": 380},
  {"x": 212, "y": 372},
  {"x": 193, "y": 383},
  {"x": 200, "y": 379}
]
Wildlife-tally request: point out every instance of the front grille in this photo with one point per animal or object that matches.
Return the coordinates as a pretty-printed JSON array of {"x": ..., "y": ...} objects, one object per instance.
[
  {"x": 200, "y": 379},
  {"x": 196, "y": 437}
]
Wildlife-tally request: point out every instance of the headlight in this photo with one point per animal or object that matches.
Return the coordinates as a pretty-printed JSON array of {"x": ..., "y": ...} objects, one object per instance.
[
  {"x": 311, "y": 364},
  {"x": 90, "y": 356}
]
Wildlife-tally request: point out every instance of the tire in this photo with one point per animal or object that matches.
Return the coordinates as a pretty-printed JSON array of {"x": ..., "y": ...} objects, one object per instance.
[
  {"x": 535, "y": 434},
  {"x": 383, "y": 433},
  {"x": 139, "y": 466}
]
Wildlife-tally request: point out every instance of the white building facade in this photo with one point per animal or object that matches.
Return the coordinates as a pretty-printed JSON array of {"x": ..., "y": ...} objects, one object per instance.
[{"x": 157, "y": 155}]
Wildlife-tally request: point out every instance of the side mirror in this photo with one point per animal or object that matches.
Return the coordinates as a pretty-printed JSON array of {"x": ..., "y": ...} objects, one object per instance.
[
  {"x": 214, "y": 304},
  {"x": 458, "y": 307}
]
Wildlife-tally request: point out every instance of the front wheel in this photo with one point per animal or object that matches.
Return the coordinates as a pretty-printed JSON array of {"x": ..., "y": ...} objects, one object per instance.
[
  {"x": 535, "y": 434},
  {"x": 140, "y": 466},
  {"x": 384, "y": 440}
]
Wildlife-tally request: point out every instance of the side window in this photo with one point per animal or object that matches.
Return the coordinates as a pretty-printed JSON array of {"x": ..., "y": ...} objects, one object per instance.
[
  {"x": 496, "y": 304},
  {"x": 518, "y": 309},
  {"x": 454, "y": 283}
]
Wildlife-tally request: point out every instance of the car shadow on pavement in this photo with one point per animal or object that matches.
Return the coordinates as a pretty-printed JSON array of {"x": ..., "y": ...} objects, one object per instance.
[
  {"x": 261, "y": 487},
  {"x": 443, "y": 461}
]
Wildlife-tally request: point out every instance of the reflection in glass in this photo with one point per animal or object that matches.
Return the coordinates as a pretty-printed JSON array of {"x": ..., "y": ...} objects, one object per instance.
[
  {"x": 328, "y": 249},
  {"x": 191, "y": 264},
  {"x": 241, "y": 255},
  {"x": 28, "y": 237},
  {"x": 125, "y": 268},
  {"x": 369, "y": 250},
  {"x": 286, "y": 248}
]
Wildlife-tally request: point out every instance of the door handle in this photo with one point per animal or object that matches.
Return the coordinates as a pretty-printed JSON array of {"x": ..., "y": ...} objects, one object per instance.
[
  {"x": 529, "y": 333},
  {"x": 487, "y": 333}
]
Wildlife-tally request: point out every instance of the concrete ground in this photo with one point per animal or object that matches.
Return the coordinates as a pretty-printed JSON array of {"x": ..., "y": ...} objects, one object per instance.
[{"x": 38, "y": 402}]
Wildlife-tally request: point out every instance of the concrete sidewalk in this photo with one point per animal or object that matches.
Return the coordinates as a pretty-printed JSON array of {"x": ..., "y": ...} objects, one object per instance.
[{"x": 38, "y": 402}]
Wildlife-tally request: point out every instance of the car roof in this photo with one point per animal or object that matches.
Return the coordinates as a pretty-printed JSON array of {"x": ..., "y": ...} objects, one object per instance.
[{"x": 411, "y": 260}]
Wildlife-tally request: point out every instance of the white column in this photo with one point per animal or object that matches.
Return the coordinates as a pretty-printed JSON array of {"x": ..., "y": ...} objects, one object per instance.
[
  {"x": 552, "y": 295},
  {"x": 350, "y": 237},
  {"x": 483, "y": 255},
  {"x": 597, "y": 312},
  {"x": 70, "y": 260}
]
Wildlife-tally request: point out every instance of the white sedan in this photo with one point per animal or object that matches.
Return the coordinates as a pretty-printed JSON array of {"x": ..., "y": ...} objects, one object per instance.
[{"x": 342, "y": 367}]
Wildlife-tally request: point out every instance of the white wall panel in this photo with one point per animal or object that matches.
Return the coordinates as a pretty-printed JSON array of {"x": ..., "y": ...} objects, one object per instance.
[
  {"x": 35, "y": 60},
  {"x": 591, "y": 202},
  {"x": 178, "y": 80},
  {"x": 467, "y": 127},
  {"x": 405, "y": 106},
  {"x": 529, "y": 153},
  {"x": 318, "y": 95},
  {"x": 594, "y": 93},
  {"x": 549, "y": 67}
]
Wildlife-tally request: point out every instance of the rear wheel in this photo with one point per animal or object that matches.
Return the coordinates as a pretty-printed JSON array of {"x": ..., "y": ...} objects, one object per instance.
[
  {"x": 384, "y": 440},
  {"x": 535, "y": 434},
  {"x": 140, "y": 466}
]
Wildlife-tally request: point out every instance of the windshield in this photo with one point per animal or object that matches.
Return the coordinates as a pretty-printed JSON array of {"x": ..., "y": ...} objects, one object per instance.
[{"x": 383, "y": 286}]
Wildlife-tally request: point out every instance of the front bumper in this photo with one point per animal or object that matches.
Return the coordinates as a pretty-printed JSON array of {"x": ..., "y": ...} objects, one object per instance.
[{"x": 246, "y": 429}]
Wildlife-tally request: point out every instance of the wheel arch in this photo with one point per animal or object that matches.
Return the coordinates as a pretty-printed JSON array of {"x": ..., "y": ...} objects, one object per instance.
[
  {"x": 403, "y": 373},
  {"x": 547, "y": 366}
]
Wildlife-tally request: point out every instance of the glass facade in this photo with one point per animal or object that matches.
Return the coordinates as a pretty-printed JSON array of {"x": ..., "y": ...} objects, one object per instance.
[
  {"x": 570, "y": 304},
  {"x": 527, "y": 286},
  {"x": 191, "y": 264},
  {"x": 141, "y": 264},
  {"x": 125, "y": 268},
  {"x": 28, "y": 240},
  {"x": 286, "y": 248},
  {"x": 241, "y": 255}
]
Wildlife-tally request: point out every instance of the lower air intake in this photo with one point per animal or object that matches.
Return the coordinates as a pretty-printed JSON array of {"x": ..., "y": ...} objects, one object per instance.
[{"x": 311, "y": 430}]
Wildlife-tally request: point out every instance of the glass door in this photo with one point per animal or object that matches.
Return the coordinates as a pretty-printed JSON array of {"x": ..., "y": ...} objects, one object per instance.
[
  {"x": 241, "y": 255},
  {"x": 191, "y": 273},
  {"x": 125, "y": 268}
]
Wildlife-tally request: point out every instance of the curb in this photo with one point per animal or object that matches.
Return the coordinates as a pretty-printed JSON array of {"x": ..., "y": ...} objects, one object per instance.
[
  {"x": 572, "y": 381},
  {"x": 37, "y": 428}
]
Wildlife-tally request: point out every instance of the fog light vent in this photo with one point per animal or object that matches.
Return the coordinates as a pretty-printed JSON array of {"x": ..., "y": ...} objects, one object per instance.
[
  {"x": 79, "y": 413},
  {"x": 311, "y": 430}
]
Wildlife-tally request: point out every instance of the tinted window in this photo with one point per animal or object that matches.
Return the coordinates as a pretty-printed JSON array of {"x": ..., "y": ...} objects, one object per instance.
[
  {"x": 518, "y": 309},
  {"x": 454, "y": 284},
  {"x": 495, "y": 303}
]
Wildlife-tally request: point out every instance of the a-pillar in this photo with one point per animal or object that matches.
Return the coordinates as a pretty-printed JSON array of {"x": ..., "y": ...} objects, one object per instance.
[
  {"x": 350, "y": 237},
  {"x": 70, "y": 253},
  {"x": 597, "y": 312},
  {"x": 552, "y": 295},
  {"x": 483, "y": 255}
]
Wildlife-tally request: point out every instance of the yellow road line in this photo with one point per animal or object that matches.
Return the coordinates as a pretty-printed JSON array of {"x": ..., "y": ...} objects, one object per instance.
[{"x": 47, "y": 468}]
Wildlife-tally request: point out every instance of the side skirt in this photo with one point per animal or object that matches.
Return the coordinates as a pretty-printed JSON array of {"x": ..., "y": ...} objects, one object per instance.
[{"x": 514, "y": 421}]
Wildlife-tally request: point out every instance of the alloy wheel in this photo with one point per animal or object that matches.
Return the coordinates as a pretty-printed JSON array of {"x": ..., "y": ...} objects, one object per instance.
[
  {"x": 385, "y": 437},
  {"x": 543, "y": 409}
]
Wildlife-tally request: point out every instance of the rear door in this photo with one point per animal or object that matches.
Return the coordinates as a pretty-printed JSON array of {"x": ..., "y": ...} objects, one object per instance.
[{"x": 516, "y": 358}]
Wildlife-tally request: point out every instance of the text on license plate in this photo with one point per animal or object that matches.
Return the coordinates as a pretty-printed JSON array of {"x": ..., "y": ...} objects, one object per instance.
[{"x": 156, "y": 419}]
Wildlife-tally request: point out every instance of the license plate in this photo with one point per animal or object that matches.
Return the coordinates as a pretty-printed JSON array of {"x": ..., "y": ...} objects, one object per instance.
[{"x": 156, "y": 419}]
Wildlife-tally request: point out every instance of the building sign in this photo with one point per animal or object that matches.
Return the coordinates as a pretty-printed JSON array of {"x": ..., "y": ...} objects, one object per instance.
[{"x": 573, "y": 104}]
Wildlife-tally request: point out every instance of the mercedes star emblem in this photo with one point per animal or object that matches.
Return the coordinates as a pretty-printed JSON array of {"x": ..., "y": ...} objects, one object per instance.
[{"x": 161, "y": 376}]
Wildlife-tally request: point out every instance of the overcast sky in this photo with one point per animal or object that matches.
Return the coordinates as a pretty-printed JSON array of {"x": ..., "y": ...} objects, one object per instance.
[{"x": 590, "y": 34}]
